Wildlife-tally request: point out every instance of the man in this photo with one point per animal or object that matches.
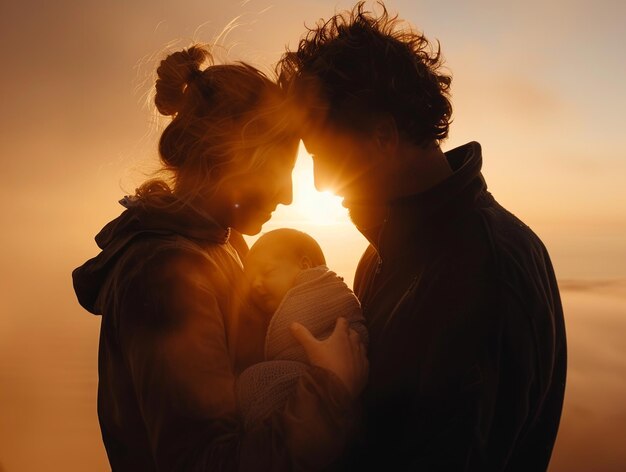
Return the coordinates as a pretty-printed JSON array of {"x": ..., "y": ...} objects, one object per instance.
[{"x": 467, "y": 339}]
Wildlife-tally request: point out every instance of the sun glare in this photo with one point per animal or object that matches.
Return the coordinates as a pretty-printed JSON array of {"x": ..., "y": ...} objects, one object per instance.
[{"x": 310, "y": 206}]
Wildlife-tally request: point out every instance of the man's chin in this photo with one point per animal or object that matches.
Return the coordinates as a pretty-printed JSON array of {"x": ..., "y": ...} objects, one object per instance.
[
  {"x": 367, "y": 215},
  {"x": 357, "y": 203},
  {"x": 350, "y": 202}
]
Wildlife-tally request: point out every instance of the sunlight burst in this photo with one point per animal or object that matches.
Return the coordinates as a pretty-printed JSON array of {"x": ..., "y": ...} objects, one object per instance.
[{"x": 309, "y": 205}]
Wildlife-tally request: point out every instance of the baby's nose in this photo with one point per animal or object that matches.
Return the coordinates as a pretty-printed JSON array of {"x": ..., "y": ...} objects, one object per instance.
[{"x": 257, "y": 285}]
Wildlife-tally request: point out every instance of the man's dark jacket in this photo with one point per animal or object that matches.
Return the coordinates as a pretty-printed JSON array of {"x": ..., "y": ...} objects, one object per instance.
[{"x": 467, "y": 338}]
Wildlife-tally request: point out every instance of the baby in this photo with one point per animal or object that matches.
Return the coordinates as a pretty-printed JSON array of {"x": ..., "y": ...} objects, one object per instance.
[{"x": 289, "y": 281}]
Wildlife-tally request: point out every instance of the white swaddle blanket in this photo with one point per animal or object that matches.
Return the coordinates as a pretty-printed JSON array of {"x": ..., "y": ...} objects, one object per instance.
[{"x": 317, "y": 299}]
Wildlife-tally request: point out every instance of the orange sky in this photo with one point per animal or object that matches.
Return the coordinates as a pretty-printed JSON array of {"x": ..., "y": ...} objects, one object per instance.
[{"x": 538, "y": 84}]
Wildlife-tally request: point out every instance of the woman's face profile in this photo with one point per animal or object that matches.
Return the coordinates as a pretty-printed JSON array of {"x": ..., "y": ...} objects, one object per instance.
[{"x": 251, "y": 197}]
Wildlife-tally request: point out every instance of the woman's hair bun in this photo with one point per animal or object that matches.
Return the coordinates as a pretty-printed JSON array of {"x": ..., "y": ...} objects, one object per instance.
[{"x": 174, "y": 74}]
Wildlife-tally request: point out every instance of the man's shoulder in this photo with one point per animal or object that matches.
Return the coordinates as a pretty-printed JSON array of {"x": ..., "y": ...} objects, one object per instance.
[
  {"x": 522, "y": 262},
  {"x": 508, "y": 235},
  {"x": 491, "y": 242}
]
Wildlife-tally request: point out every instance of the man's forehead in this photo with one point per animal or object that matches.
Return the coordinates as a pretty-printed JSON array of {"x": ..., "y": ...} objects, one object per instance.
[
  {"x": 310, "y": 112},
  {"x": 313, "y": 126},
  {"x": 328, "y": 138}
]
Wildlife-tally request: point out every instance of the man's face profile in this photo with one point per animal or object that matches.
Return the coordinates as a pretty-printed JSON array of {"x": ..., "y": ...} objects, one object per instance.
[{"x": 343, "y": 162}]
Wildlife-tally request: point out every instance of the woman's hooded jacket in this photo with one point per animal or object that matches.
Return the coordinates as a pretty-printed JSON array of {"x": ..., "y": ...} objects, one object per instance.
[{"x": 175, "y": 331}]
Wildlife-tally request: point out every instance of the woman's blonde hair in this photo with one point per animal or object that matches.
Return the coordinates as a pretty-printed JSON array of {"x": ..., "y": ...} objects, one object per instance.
[{"x": 224, "y": 119}]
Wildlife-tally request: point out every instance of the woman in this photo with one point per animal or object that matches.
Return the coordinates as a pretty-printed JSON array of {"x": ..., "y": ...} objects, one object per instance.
[{"x": 167, "y": 286}]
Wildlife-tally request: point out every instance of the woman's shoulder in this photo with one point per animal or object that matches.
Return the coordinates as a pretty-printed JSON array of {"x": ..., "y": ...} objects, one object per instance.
[
  {"x": 167, "y": 273},
  {"x": 178, "y": 254}
]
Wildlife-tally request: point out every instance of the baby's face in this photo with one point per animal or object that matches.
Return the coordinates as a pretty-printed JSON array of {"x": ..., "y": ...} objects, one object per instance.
[{"x": 271, "y": 271}]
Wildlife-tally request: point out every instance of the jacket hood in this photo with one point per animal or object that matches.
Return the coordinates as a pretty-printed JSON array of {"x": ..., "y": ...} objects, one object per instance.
[{"x": 144, "y": 216}]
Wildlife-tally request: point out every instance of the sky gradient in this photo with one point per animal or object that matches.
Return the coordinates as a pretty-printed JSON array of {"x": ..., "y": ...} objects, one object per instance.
[{"x": 539, "y": 84}]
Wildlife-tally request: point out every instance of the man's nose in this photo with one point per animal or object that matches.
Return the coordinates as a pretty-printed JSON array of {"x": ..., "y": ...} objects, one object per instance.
[
  {"x": 319, "y": 182},
  {"x": 321, "y": 177}
]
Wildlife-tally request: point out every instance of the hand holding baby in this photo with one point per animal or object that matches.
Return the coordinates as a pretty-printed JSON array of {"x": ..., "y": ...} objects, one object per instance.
[{"x": 343, "y": 353}]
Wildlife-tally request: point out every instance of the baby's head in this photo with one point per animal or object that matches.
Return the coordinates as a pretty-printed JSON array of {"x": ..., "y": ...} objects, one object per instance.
[{"x": 275, "y": 260}]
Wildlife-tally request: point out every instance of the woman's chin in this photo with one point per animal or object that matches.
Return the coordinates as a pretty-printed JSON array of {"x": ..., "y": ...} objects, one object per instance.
[
  {"x": 250, "y": 228},
  {"x": 250, "y": 232}
]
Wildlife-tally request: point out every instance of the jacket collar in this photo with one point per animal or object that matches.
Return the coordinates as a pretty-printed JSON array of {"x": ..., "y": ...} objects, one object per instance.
[{"x": 422, "y": 214}]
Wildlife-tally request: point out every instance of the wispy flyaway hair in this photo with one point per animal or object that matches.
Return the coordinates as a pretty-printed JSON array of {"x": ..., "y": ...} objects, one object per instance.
[{"x": 225, "y": 117}]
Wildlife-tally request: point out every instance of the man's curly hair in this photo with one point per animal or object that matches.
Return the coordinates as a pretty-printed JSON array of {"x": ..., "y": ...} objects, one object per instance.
[{"x": 362, "y": 65}]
